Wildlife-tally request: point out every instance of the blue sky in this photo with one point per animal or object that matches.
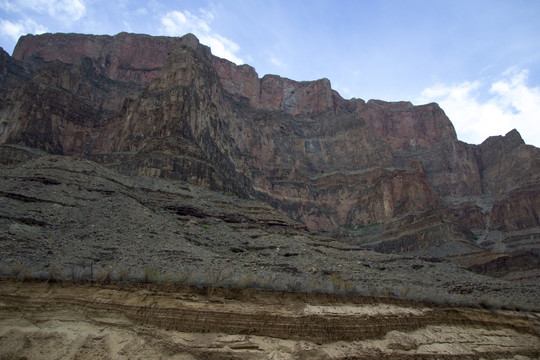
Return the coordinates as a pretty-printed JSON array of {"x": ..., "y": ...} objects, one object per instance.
[{"x": 479, "y": 59}]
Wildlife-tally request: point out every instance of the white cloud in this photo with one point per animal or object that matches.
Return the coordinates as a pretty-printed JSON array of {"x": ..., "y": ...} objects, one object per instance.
[
  {"x": 64, "y": 10},
  {"x": 177, "y": 23},
  {"x": 343, "y": 91},
  {"x": 480, "y": 108},
  {"x": 141, "y": 11},
  {"x": 276, "y": 61},
  {"x": 127, "y": 26},
  {"x": 14, "y": 30}
]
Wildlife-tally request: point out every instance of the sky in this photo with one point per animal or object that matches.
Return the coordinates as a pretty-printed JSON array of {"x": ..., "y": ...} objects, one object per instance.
[{"x": 478, "y": 59}]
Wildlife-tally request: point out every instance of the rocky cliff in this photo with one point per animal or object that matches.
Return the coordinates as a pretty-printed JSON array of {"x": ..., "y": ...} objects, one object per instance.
[{"x": 392, "y": 177}]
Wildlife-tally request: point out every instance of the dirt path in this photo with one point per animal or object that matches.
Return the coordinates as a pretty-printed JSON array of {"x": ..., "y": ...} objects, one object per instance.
[{"x": 86, "y": 321}]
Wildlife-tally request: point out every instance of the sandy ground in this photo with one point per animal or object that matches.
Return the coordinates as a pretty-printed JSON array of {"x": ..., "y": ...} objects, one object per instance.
[{"x": 83, "y": 321}]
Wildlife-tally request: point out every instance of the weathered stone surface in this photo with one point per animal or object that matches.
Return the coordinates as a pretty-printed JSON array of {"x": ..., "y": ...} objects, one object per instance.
[
  {"x": 125, "y": 57},
  {"x": 507, "y": 162},
  {"x": 391, "y": 176},
  {"x": 468, "y": 214},
  {"x": 12, "y": 73},
  {"x": 273, "y": 92},
  {"x": 516, "y": 210},
  {"x": 145, "y": 321},
  {"x": 407, "y": 127},
  {"x": 504, "y": 265},
  {"x": 60, "y": 107},
  {"x": 452, "y": 167},
  {"x": 70, "y": 218},
  {"x": 180, "y": 114},
  {"x": 44, "y": 116}
]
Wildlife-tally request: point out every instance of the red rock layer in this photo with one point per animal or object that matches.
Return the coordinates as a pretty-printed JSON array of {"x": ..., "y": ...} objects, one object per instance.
[{"x": 320, "y": 158}]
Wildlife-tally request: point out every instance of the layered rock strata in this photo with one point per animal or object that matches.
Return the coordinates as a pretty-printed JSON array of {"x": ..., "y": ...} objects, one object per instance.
[
  {"x": 391, "y": 176},
  {"x": 220, "y": 323}
]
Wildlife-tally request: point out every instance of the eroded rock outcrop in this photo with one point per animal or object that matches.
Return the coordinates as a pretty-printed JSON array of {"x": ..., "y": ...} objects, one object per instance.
[
  {"x": 223, "y": 323},
  {"x": 166, "y": 107},
  {"x": 273, "y": 92},
  {"x": 125, "y": 57}
]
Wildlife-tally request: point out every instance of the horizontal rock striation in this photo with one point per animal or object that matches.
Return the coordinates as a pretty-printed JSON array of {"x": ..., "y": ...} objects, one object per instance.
[
  {"x": 249, "y": 324},
  {"x": 125, "y": 57},
  {"x": 166, "y": 107}
]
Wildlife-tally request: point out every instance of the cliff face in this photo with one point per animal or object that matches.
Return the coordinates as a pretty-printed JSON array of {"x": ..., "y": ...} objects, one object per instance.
[
  {"x": 392, "y": 176},
  {"x": 124, "y": 57}
]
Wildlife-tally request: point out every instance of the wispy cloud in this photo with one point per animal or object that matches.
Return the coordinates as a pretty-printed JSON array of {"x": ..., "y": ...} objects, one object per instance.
[
  {"x": 176, "y": 23},
  {"x": 276, "y": 61},
  {"x": 64, "y": 10},
  {"x": 482, "y": 108},
  {"x": 14, "y": 30}
]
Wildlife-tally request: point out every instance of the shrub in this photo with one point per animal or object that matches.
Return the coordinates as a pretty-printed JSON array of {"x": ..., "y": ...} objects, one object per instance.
[
  {"x": 182, "y": 278},
  {"x": 150, "y": 275},
  {"x": 164, "y": 279},
  {"x": 339, "y": 284},
  {"x": 104, "y": 275},
  {"x": 295, "y": 285},
  {"x": 88, "y": 273},
  {"x": 22, "y": 272},
  {"x": 268, "y": 281},
  {"x": 247, "y": 281},
  {"x": 54, "y": 272},
  {"x": 218, "y": 275},
  {"x": 123, "y": 274},
  {"x": 73, "y": 273}
]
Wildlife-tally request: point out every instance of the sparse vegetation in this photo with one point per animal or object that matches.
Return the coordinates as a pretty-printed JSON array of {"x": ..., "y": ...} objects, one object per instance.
[
  {"x": 351, "y": 228},
  {"x": 183, "y": 278},
  {"x": 104, "y": 275},
  {"x": 54, "y": 272},
  {"x": 74, "y": 272},
  {"x": 333, "y": 282},
  {"x": 340, "y": 285},
  {"x": 150, "y": 275},
  {"x": 247, "y": 281},
  {"x": 21, "y": 272},
  {"x": 217, "y": 276},
  {"x": 123, "y": 274}
]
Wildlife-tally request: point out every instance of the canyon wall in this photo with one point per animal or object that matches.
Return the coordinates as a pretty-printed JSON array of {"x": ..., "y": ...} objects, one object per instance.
[{"x": 389, "y": 175}]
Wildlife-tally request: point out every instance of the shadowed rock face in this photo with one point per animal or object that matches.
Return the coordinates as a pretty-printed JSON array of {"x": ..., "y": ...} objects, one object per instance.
[{"x": 391, "y": 176}]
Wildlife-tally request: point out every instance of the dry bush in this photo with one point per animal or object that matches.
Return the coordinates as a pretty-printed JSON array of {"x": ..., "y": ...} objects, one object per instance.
[
  {"x": 247, "y": 281},
  {"x": 123, "y": 274},
  {"x": 150, "y": 275},
  {"x": 339, "y": 284},
  {"x": 104, "y": 275},
  {"x": 184, "y": 278},
  {"x": 54, "y": 272},
  {"x": 295, "y": 285},
  {"x": 88, "y": 273},
  {"x": 74, "y": 273},
  {"x": 218, "y": 275},
  {"x": 21, "y": 272},
  {"x": 165, "y": 278}
]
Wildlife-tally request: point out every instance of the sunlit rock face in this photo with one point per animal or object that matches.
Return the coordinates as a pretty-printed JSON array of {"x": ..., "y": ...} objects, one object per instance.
[
  {"x": 389, "y": 175},
  {"x": 124, "y": 57}
]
